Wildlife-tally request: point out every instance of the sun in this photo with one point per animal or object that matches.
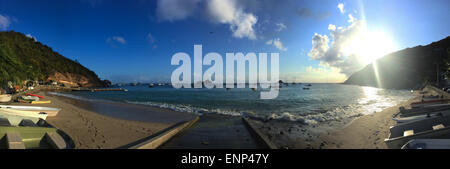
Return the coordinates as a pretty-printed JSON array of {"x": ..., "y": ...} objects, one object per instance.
[{"x": 369, "y": 46}]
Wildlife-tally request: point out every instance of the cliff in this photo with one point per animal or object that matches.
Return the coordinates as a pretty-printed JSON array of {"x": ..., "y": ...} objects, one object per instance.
[
  {"x": 22, "y": 58},
  {"x": 411, "y": 68}
]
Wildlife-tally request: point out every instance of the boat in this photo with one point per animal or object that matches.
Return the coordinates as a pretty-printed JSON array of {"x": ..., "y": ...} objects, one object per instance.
[
  {"x": 41, "y": 102},
  {"x": 30, "y": 98},
  {"x": 16, "y": 116},
  {"x": 254, "y": 89},
  {"x": 429, "y": 108},
  {"x": 427, "y": 144},
  {"x": 418, "y": 117},
  {"x": 417, "y": 113},
  {"x": 29, "y": 94},
  {"x": 305, "y": 88},
  {"x": 51, "y": 112},
  {"x": 29, "y": 135},
  {"x": 5, "y": 98},
  {"x": 308, "y": 85},
  {"x": 428, "y": 102},
  {"x": 431, "y": 128}
]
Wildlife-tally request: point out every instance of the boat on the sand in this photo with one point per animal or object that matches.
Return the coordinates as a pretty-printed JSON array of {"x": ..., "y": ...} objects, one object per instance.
[
  {"x": 429, "y": 102},
  {"x": 16, "y": 116},
  {"x": 417, "y": 113},
  {"x": 5, "y": 98},
  {"x": 41, "y": 102},
  {"x": 29, "y": 135},
  {"x": 427, "y": 144},
  {"x": 51, "y": 112},
  {"x": 30, "y": 98},
  {"x": 432, "y": 128},
  {"x": 420, "y": 117},
  {"x": 429, "y": 108},
  {"x": 29, "y": 94}
]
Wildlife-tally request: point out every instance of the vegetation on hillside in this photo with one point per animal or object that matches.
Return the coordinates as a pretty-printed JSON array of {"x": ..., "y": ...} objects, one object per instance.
[{"x": 22, "y": 58}]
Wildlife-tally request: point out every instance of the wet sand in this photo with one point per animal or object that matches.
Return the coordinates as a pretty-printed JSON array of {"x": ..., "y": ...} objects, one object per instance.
[{"x": 88, "y": 124}]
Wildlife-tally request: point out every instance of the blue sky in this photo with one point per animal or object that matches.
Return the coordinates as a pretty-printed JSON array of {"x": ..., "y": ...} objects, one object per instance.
[{"x": 125, "y": 40}]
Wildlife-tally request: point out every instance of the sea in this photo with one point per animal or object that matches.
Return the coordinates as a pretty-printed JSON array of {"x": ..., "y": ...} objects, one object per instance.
[{"x": 321, "y": 103}]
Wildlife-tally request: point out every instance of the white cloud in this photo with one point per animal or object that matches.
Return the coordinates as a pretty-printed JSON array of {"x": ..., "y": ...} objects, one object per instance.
[
  {"x": 277, "y": 43},
  {"x": 341, "y": 7},
  {"x": 281, "y": 27},
  {"x": 331, "y": 27},
  {"x": 351, "y": 19},
  {"x": 31, "y": 37},
  {"x": 227, "y": 12},
  {"x": 241, "y": 23},
  {"x": 4, "y": 22},
  {"x": 332, "y": 52},
  {"x": 116, "y": 39}
]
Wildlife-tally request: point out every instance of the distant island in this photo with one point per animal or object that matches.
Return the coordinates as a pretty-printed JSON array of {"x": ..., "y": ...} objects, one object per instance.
[
  {"x": 411, "y": 68},
  {"x": 23, "y": 59}
]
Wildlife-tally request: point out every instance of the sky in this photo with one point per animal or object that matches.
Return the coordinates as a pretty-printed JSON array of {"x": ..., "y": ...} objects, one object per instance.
[{"x": 317, "y": 40}]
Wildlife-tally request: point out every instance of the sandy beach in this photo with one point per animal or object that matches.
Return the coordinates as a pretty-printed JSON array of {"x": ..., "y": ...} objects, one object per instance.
[{"x": 92, "y": 130}]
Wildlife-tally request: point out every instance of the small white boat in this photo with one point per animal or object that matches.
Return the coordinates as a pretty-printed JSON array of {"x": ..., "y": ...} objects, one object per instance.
[
  {"x": 51, "y": 112},
  {"x": 5, "y": 98},
  {"x": 427, "y": 144},
  {"x": 31, "y": 98},
  {"x": 16, "y": 116}
]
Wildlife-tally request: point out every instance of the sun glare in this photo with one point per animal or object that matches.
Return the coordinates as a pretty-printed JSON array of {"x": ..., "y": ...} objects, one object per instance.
[{"x": 369, "y": 45}]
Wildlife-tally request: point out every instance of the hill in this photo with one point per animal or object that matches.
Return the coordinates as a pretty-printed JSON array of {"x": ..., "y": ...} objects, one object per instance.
[
  {"x": 23, "y": 59},
  {"x": 411, "y": 68}
]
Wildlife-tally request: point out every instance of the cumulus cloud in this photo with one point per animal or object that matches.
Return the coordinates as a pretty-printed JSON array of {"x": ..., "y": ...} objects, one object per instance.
[
  {"x": 331, "y": 27},
  {"x": 116, "y": 39},
  {"x": 351, "y": 19},
  {"x": 277, "y": 43},
  {"x": 4, "y": 22},
  {"x": 331, "y": 51},
  {"x": 228, "y": 12},
  {"x": 341, "y": 7}
]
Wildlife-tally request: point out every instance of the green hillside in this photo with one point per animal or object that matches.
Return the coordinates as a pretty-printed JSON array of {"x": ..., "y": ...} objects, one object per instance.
[{"x": 22, "y": 58}]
